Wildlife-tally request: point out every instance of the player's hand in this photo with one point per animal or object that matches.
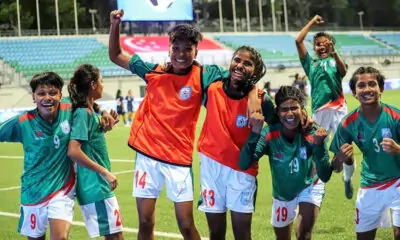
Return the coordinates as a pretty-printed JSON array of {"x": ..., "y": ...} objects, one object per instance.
[
  {"x": 390, "y": 146},
  {"x": 319, "y": 136},
  {"x": 318, "y": 19},
  {"x": 115, "y": 16},
  {"x": 306, "y": 122},
  {"x": 253, "y": 104},
  {"x": 346, "y": 150},
  {"x": 337, "y": 164},
  {"x": 256, "y": 121},
  {"x": 108, "y": 121},
  {"x": 114, "y": 114},
  {"x": 111, "y": 179}
]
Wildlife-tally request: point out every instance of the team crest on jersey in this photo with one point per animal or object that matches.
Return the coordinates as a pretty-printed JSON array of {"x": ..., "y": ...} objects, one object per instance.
[
  {"x": 245, "y": 198},
  {"x": 65, "y": 127},
  {"x": 241, "y": 121},
  {"x": 332, "y": 63},
  {"x": 386, "y": 133},
  {"x": 303, "y": 153},
  {"x": 185, "y": 92}
]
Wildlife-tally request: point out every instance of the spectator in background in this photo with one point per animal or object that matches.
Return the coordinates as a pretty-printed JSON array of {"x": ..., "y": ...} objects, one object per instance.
[
  {"x": 301, "y": 84},
  {"x": 129, "y": 104},
  {"x": 120, "y": 106}
]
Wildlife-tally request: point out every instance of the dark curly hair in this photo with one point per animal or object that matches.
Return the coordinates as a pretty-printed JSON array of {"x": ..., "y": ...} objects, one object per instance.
[
  {"x": 289, "y": 92},
  {"x": 259, "y": 68},
  {"x": 185, "y": 32},
  {"x": 79, "y": 85},
  {"x": 324, "y": 34},
  {"x": 363, "y": 70},
  {"x": 48, "y": 79}
]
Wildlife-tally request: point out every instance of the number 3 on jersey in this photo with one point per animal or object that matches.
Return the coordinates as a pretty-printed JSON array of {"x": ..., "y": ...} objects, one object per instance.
[
  {"x": 140, "y": 179},
  {"x": 377, "y": 148}
]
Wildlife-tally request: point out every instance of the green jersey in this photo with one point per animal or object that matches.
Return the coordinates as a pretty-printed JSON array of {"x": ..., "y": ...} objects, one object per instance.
[
  {"x": 325, "y": 80},
  {"x": 209, "y": 74},
  {"x": 91, "y": 186},
  {"x": 377, "y": 166},
  {"x": 47, "y": 169},
  {"x": 294, "y": 166}
]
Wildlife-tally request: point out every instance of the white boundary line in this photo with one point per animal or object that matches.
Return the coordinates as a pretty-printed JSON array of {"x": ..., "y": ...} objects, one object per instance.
[
  {"x": 112, "y": 160},
  {"x": 126, "y": 229}
]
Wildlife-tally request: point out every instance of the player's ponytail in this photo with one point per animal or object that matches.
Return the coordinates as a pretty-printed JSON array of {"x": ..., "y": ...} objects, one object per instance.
[{"x": 80, "y": 84}]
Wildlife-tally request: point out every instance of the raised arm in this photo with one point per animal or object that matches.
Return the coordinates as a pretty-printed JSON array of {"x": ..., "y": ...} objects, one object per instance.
[
  {"x": 114, "y": 48},
  {"x": 341, "y": 66},
  {"x": 301, "y": 47},
  {"x": 254, "y": 147}
]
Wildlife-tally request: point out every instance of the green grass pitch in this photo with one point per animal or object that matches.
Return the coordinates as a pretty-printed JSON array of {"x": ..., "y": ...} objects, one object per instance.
[{"x": 335, "y": 221}]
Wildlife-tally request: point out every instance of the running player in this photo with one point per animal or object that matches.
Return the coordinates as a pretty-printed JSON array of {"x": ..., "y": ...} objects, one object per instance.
[
  {"x": 129, "y": 104},
  {"x": 120, "y": 106},
  {"x": 325, "y": 75},
  {"x": 48, "y": 179},
  {"x": 163, "y": 129},
  {"x": 299, "y": 164},
  {"x": 223, "y": 185},
  {"x": 375, "y": 128},
  {"x": 87, "y": 147}
]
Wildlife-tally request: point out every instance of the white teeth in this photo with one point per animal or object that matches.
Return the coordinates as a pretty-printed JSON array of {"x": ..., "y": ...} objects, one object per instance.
[
  {"x": 291, "y": 120},
  {"x": 180, "y": 60}
]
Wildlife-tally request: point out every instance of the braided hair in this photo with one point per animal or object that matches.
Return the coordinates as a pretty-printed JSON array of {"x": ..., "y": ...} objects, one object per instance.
[
  {"x": 259, "y": 69},
  {"x": 289, "y": 92},
  {"x": 79, "y": 85},
  {"x": 365, "y": 70}
]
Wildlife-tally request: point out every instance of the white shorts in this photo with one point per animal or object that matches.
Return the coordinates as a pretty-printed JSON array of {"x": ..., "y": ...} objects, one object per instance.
[
  {"x": 34, "y": 219},
  {"x": 150, "y": 176},
  {"x": 224, "y": 188},
  {"x": 330, "y": 118},
  {"x": 284, "y": 212},
  {"x": 373, "y": 206},
  {"x": 102, "y": 218}
]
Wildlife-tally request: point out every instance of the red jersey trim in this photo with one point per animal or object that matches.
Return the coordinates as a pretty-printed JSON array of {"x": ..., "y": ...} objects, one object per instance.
[
  {"x": 383, "y": 186},
  {"x": 67, "y": 187},
  {"x": 273, "y": 135},
  {"x": 65, "y": 106},
  {"x": 391, "y": 112},
  {"x": 352, "y": 118},
  {"x": 27, "y": 116},
  {"x": 336, "y": 104}
]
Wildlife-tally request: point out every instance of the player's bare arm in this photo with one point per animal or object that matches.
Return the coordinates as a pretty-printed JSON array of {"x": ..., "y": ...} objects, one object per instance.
[
  {"x": 301, "y": 47},
  {"x": 390, "y": 146},
  {"x": 341, "y": 66},
  {"x": 114, "y": 48},
  {"x": 76, "y": 154}
]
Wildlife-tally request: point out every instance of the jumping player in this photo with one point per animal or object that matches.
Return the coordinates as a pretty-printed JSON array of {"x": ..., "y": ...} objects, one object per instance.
[
  {"x": 48, "y": 179},
  {"x": 299, "y": 163},
  {"x": 87, "y": 147},
  {"x": 223, "y": 185},
  {"x": 163, "y": 130},
  {"x": 375, "y": 128},
  {"x": 325, "y": 74}
]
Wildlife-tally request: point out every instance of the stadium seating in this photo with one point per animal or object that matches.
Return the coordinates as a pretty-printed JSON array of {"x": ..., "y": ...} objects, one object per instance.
[
  {"x": 275, "y": 49},
  {"x": 392, "y": 39},
  {"x": 359, "y": 45},
  {"x": 62, "y": 55}
]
